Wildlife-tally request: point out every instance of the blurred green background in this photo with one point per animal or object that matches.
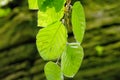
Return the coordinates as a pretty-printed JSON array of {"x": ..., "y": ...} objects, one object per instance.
[{"x": 19, "y": 58}]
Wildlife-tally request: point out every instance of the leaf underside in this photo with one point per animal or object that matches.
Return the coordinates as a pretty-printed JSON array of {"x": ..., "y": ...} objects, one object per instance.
[
  {"x": 49, "y": 16},
  {"x": 71, "y": 59},
  {"x": 53, "y": 71},
  {"x": 78, "y": 21},
  {"x": 51, "y": 41}
]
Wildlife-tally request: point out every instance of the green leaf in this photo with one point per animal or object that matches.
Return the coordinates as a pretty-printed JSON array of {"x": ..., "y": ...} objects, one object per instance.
[
  {"x": 40, "y": 3},
  {"x": 78, "y": 21},
  {"x": 53, "y": 71},
  {"x": 44, "y": 4},
  {"x": 33, "y": 4},
  {"x": 72, "y": 59},
  {"x": 49, "y": 16},
  {"x": 51, "y": 41}
]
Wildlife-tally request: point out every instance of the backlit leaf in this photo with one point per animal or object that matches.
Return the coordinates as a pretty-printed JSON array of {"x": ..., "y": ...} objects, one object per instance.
[
  {"x": 49, "y": 16},
  {"x": 78, "y": 21},
  {"x": 51, "y": 41},
  {"x": 71, "y": 59},
  {"x": 53, "y": 71}
]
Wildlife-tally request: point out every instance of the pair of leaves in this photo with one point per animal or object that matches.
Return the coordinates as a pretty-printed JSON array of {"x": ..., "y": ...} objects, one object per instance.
[
  {"x": 72, "y": 58},
  {"x": 70, "y": 63}
]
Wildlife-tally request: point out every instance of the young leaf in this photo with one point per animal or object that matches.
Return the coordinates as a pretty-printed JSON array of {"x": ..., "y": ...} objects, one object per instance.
[
  {"x": 44, "y": 4},
  {"x": 78, "y": 21},
  {"x": 51, "y": 41},
  {"x": 53, "y": 71},
  {"x": 49, "y": 16},
  {"x": 71, "y": 59},
  {"x": 33, "y": 4}
]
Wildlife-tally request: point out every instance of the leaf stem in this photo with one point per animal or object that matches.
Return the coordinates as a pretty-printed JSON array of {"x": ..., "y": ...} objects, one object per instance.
[{"x": 67, "y": 16}]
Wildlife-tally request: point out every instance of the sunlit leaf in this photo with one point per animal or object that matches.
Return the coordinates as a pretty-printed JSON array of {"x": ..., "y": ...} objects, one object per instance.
[
  {"x": 49, "y": 16},
  {"x": 33, "y": 4},
  {"x": 51, "y": 41},
  {"x": 71, "y": 59},
  {"x": 78, "y": 21},
  {"x": 53, "y": 71},
  {"x": 44, "y": 4}
]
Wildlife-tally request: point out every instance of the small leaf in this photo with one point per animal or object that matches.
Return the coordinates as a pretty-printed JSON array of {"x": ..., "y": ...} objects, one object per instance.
[
  {"x": 33, "y": 4},
  {"x": 78, "y": 21},
  {"x": 49, "y": 16},
  {"x": 53, "y": 71},
  {"x": 44, "y": 4},
  {"x": 51, "y": 41},
  {"x": 71, "y": 59}
]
